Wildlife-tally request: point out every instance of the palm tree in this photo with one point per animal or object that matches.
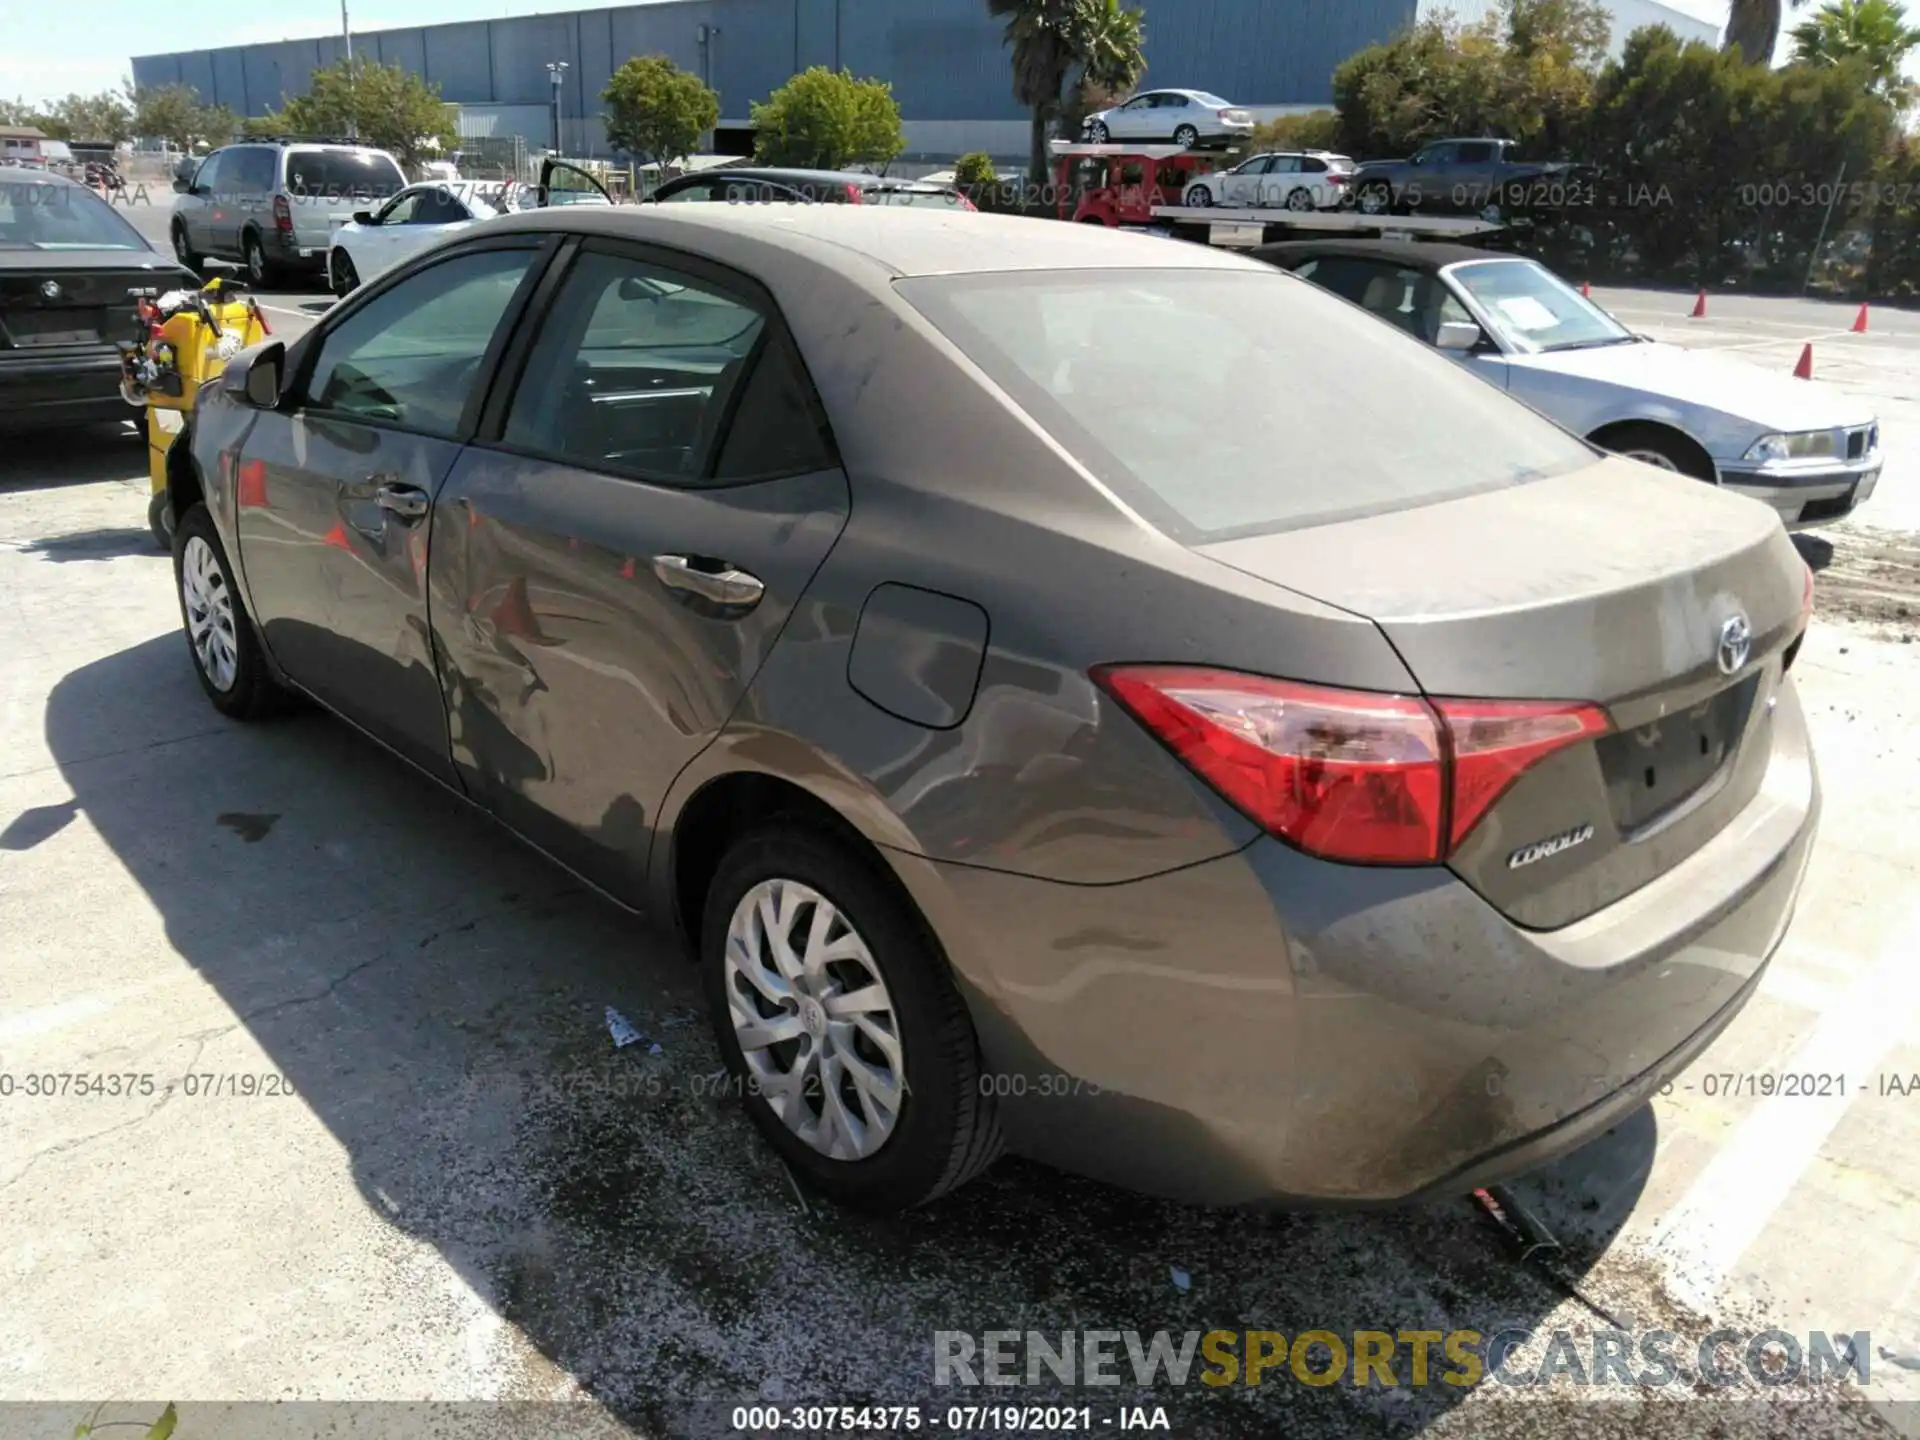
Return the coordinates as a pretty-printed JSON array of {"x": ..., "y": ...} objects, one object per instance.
[
  {"x": 1753, "y": 28},
  {"x": 1875, "y": 31},
  {"x": 1041, "y": 34},
  {"x": 1111, "y": 46}
]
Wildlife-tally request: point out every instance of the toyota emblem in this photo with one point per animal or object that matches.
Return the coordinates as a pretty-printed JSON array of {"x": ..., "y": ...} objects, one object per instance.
[
  {"x": 50, "y": 289},
  {"x": 1736, "y": 643}
]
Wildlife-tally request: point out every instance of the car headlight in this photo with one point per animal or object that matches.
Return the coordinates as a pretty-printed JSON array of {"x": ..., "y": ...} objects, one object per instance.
[{"x": 1801, "y": 446}]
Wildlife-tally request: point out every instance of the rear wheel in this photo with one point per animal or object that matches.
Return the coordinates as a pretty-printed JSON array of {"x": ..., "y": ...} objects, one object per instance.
[
  {"x": 341, "y": 274},
  {"x": 260, "y": 270},
  {"x": 226, "y": 653},
  {"x": 1301, "y": 199},
  {"x": 1374, "y": 199},
  {"x": 1186, "y": 135},
  {"x": 836, "y": 1012}
]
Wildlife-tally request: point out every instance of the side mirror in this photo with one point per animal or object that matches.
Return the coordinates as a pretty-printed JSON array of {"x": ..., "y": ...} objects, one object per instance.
[
  {"x": 253, "y": 376},
  {"x": 363, "y": 217},
  {"x": 1458, "y": 335},
  {"x": 179, "y": 186}
]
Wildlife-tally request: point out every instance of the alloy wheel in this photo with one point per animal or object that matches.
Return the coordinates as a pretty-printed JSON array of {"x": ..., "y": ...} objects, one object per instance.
[
  {"x": 814, "y": 1020},
  {"x": 1186, "y": 135},
  {"x": 1300, "y": 200},
  {"x": 1374, "y": 200},
  {"x": 210, "y": 622},
  {"x": 1652, "y": 457},
  {"x": 1097, "y": 132},
  {"x": 256, "y": 262}
]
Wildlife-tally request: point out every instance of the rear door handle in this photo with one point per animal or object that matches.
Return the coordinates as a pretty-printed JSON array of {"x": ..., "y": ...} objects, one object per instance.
[
  {"x": 407, "y": 501},
  {"x": 714, "y": 581}
]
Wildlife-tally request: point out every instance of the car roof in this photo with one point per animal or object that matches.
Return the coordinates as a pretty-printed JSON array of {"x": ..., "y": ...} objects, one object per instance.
[
  {"x": 873, "y": 245},
  {"x": 27, "y": 175},
  {"x": 781, "y": 172},
  {"x": 1414, "y": 254}
]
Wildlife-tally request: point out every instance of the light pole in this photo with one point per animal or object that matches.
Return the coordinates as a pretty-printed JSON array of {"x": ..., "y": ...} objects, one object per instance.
[
  {"x": 346, "y": 32},
  {"x": 556, "y": 70}
]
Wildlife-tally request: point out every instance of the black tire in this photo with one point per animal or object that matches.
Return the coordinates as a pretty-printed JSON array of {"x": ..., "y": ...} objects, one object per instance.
[
  {"x": 1300, "y": 199},
  {"x": 1186, "y": 136},
  {"x": 947, "y": 1130},
  {"x": 160, "y": 522},
  {"x": 261, "y": 272},
  {"x": 1657, "y": 445},
  {"x": 184, "y": 252},
  {"x": 341, "y": 275},
  {"x": 1378, "y": 192},
  {"x": 254, "y": 693},
  {"x": 1097, "y": 133}
]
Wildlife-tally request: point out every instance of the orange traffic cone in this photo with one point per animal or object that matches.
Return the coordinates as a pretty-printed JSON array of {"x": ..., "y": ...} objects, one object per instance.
[
  {"x": 1804, "y": 370},
  {"x": 336, "y": 537},
  {"x": 1860, "y": 322},
  {"x": 1699, "y": 307},
  {"x": 1586, "y": 290},
  {"x": 514, "y": 615}
]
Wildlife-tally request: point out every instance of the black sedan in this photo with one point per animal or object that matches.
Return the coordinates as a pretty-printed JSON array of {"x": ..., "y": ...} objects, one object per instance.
[{"x": 70, "y": 271}]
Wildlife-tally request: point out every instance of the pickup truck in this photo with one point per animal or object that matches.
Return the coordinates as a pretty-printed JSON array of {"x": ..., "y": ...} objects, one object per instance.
[{"x": 1469, "y": 177}]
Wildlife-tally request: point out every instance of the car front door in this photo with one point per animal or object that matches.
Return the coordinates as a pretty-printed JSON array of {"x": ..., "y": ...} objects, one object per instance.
[
  {"x": 1474, "y": 176},
  {"x": 384, "y": 239},
  {"x": 203, "y": 208},
  {"x": 1134, "y": 120},
  {"x": 617, "y": 552},
  {"x": 1241, "y": 185},
  {"x": 1431, "y": 182},
  {"x": 337, "y": 486}
]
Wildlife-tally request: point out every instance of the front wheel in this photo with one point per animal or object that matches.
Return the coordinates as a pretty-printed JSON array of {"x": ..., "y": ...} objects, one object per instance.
[
  {"x": 836, "y": 1014},
  {"x": 1097, "y": 132},
  {"x": 1187, "y": 136},
  {"x": 1659, "y": 447},
  {"x": 226, "y": 653},
  {"x": 184, "y": 252},
  {"x": 160, "y": 522},
  {"x": 1199, "y": 197}
]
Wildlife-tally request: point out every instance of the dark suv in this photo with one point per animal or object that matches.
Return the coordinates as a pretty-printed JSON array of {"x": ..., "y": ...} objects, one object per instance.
[{"x": 272, "y": 204}]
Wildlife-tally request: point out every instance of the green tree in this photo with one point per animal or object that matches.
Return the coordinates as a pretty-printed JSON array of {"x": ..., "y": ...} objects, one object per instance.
[
  {"x": 174, "y": 112},
  {"x": 1753, "y": 29},
  {"x": 824, "y": 120},
  {"x": 105, "y": 116},
  {"x": 658, "y": 111},
  {"x": 1574, "y": 32},
  {"x": 1873, "y": 31},
  {"x": 386, "y": 106},
  {"x": 1098, "y": 43},
  {"x": 1309, "y": 130}
]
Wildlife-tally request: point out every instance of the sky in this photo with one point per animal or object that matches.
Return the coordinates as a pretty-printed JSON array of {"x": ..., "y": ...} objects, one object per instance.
[{"x": 43, "y": 62}]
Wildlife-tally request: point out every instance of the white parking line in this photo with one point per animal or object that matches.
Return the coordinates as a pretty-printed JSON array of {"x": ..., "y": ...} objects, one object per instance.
[{"x": 1704, "y": 1236}]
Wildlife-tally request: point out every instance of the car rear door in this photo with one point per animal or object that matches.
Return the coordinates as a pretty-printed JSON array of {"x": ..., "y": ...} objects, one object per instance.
[
  {"x": 336, "y": 488},
  {"x": 652, "y": 489}
]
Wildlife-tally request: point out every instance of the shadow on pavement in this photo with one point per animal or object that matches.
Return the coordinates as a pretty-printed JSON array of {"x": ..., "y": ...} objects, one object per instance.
[
  {"x": 436, "y": 993},
  {"x": 94, "y": 544},
  {"x": 47, "y": 459}
]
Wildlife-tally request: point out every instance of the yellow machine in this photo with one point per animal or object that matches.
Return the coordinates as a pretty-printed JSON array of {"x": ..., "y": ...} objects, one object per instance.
[{"x": 186, "y": 338}]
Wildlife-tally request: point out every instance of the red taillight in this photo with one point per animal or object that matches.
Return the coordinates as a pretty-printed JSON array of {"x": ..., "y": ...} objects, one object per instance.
[
  {"x": 1350, "y": 775},
  {"x": 965, "y": 203},
  {"x": 1336, "y": 179},
  {"x": 282, "y": 214}
]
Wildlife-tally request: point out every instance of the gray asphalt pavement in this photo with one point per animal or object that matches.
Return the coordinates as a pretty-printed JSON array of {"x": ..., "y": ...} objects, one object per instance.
[{"x": 377, "y": 1144}]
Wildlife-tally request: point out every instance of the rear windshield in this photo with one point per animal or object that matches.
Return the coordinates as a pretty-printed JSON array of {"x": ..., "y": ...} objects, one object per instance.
[
  {"x": 1234, "y": 402},
  {"x": 1206, "y": 99},
  {"x": 40, "y": 215},
  {"x": 343, "y": 174}
]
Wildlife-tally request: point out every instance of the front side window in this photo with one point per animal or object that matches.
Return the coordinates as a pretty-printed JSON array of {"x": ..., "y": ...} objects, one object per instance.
[
  {"x": 633, "y": 370},
  {"x": 400, "y": 210},
  {"x": 700, "y": 190},
  {"x": 1084, "y": 352},
  {"x": 411, "y": 356}
]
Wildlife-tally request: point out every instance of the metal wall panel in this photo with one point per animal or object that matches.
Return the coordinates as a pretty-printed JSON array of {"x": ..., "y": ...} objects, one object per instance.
[{"x": 459, "y": 59}]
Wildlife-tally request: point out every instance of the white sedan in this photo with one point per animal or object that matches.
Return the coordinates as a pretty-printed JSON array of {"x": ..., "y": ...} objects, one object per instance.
[
  {"x": 1289, "y": 179},
  {"x": 1186, "y": 117},
  {"x": 407, "y": 224}
]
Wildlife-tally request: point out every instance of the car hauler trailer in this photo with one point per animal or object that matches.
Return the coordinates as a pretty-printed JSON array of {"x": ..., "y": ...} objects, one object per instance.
[{"x": 1214, "y": 225}]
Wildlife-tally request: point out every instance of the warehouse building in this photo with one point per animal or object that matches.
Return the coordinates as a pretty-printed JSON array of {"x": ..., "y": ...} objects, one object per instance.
[{"x": 944, "y": 59}]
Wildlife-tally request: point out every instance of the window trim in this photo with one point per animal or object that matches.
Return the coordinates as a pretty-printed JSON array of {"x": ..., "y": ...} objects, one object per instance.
[
  {"x": 490, "y": 434},
  {"x": 315, "y": 341}
]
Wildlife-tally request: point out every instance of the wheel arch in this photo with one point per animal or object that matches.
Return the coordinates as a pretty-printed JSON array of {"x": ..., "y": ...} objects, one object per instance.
[{"x": 1609, "y": 435}]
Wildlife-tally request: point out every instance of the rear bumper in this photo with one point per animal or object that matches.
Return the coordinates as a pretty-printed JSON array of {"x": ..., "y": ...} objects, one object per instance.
[
  {"x": 292, "y": 252},
  {"x": 49, "y": 388},
  {"x": 1808, "y": 497},
  {"x": 1269, "y": 1028}
]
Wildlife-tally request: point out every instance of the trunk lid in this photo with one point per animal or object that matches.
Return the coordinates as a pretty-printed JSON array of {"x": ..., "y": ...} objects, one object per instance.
[
  {"x": 52, "y": 299},
  {"x": 1613, "y": 585}
]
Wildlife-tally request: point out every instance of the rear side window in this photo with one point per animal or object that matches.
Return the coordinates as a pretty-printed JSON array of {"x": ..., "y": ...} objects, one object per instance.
[
  {"x": 1085, "y": 353},
  {"x": 343, "y": 174}
]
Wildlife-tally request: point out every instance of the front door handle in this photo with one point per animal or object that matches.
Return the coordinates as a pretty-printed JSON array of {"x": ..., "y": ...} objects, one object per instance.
[
  {"x": 406, "y": 501},
  {"x": 714, "y": 581}
]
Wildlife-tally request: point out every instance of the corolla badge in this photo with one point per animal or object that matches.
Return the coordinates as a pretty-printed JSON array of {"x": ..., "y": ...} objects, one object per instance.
[
  {"x": 50, "y": 289},
  {"x": 1736, "y": 643},
  {"x": 1552, "y": 845}
]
